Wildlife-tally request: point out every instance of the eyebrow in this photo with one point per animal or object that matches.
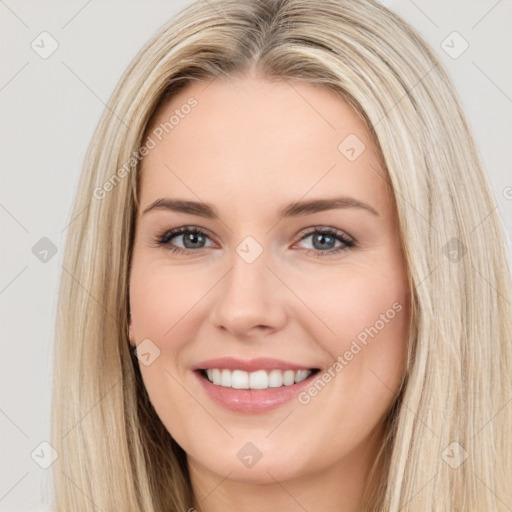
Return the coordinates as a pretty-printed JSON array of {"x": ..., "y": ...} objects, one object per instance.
[{"x": 295, "y": 209}]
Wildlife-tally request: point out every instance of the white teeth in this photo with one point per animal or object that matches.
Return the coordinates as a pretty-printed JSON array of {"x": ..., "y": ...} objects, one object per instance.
[
  {"x": 261, "y": 379},
  {"x": 288, "y": 377},
  {"x": 225, "y": 378},
  {"x": 258, "y": 380},
  {"x": 239, "y": 379},
  {"x": 302, "y": 375},
  {"x": 275, "y": 379}
]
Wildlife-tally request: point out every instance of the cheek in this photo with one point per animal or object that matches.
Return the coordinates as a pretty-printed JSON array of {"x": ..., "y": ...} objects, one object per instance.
[
  {"x": 365, "y": 317},
  {"x": 161, "y": 297},
  {"x": 162, "y": 309},
  {"x": 354, "y": 303}
]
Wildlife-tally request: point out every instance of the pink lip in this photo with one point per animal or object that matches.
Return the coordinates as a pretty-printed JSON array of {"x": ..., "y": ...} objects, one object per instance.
[
  {"x": 252, "y": 365},
  {"x": 250, "y": 400}
]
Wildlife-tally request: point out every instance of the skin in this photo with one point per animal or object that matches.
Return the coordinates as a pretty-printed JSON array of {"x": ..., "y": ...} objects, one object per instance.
[{"x": 249, "y": 148}]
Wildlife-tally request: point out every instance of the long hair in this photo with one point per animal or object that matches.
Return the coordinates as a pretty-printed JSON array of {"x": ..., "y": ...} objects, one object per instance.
[{"x": 449, "y": 436}]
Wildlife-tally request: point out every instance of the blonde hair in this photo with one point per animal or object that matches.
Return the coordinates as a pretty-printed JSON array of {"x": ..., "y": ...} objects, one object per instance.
[{"x": 114, "y": 452}]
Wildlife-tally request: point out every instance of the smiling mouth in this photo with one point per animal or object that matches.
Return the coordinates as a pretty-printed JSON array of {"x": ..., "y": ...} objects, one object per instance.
[{"x": 260, "y": 379}]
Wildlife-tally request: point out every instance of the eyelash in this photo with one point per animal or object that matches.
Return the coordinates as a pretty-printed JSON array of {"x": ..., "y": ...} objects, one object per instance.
[{"x": 163, "y": 240}]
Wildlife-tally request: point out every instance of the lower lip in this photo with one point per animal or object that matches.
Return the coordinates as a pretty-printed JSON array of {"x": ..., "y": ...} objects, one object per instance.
[{"x": 252, "y": 400}]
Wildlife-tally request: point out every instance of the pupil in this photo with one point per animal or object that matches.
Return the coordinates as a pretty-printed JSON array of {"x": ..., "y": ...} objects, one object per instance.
[
  {"x": 321, "y": 239},
  {"x": 194, "y": 237}
]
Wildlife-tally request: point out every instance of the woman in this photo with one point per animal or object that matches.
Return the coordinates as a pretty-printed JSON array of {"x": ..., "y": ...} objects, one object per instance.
[{"x": 214, "y": 351}]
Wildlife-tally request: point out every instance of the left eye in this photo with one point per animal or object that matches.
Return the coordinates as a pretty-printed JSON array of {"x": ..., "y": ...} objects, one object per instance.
[
  {"x": 193, "y": 239},
  {"x": 326, "y": 239}
]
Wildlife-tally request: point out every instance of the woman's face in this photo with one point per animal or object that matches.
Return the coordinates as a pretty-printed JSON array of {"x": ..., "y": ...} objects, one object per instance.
[{"x": 295, "y": 266}]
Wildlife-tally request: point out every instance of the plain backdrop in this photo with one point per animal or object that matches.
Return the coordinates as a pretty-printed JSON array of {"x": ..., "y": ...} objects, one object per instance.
[{"x": 49, "y": 109}]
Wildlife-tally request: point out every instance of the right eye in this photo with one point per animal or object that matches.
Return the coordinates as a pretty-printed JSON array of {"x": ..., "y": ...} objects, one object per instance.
[{"x": 192, "y": 239}]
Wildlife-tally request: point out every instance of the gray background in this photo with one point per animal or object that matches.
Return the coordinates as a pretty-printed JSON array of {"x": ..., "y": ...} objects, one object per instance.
[{"x": 49, "y": 109}]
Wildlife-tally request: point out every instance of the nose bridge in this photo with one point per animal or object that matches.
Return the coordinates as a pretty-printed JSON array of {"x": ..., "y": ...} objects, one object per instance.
[
  {"x": 248, "y": 296},
  {"x": 248, "y": 275}
]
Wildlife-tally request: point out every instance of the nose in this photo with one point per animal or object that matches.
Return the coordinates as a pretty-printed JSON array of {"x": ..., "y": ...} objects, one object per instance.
[{"x": 250, "y": 300}]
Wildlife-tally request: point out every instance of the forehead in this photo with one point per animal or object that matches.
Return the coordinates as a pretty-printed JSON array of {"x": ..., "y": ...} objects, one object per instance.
[{"x": 259, "y": 142}]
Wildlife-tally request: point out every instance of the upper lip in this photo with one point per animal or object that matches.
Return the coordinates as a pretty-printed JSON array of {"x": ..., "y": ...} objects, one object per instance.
[{"x": 250, "y": 365}]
